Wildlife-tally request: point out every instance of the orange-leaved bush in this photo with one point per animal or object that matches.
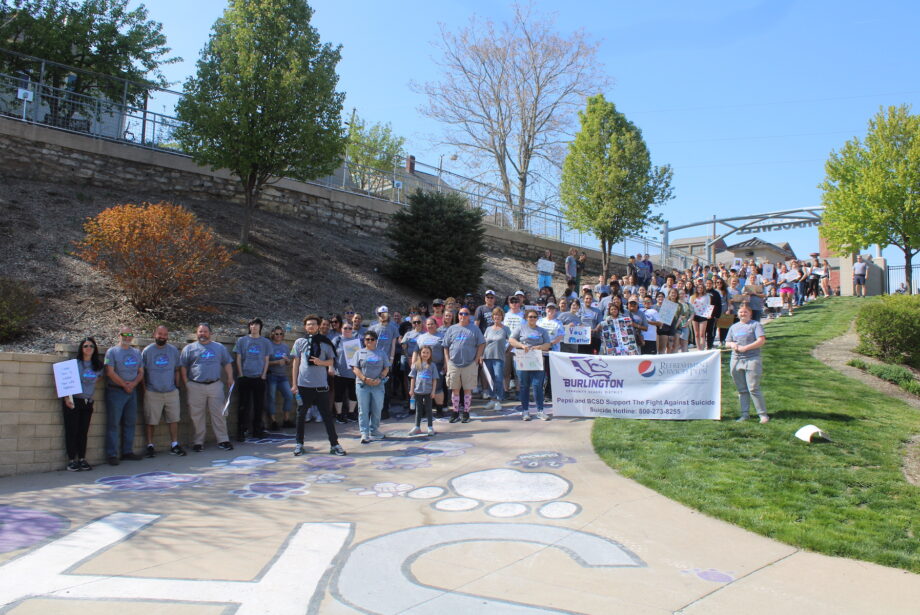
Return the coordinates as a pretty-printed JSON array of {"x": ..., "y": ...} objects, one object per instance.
[{"x": 165, "y": 260}]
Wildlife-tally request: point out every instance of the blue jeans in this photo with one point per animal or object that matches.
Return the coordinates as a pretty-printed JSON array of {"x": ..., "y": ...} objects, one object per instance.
[
  {"x": 120, "y": 411},
  {"x": 799, "y": 293},
  {"x": 274, "y": 383},
  {"x": 544, "y": 279},
  {"x": 370, "y": 405},
  {"x": 531, "y": 380},
  {"x": 496, "y": 369}
]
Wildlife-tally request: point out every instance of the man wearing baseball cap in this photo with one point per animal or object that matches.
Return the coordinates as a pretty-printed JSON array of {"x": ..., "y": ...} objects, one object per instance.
[
  {"x": 387, "y": 334},
  {"x": 483, "y": 314}
]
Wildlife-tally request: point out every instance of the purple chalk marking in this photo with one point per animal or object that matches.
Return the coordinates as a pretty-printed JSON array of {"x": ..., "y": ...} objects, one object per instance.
[{"x": 24, "y": 527}]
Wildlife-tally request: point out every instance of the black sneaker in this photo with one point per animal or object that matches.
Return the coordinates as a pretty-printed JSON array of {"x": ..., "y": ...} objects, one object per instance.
[
  {"x": 151, "y": 452},
  {"x": 131, "y": 457},
  {"x": 177, "y": 450},
  {"x": 439, "y": 414},
  {"x": 197, "y": 448},
  {"x": 455, "y": 417},
  {"x": 340, "y": 419},
  {"x": 466, "y": 417},
  {"x": 288, "y": 424},
  {"x": 112, "y": 460},
  {"x": 337, "y": 450},
  {"x": 225, "y": 446},
  {"x": 274, "y": 426},
  {"x": 85, "y": 467},
  {"x": 73, "y": 466}
]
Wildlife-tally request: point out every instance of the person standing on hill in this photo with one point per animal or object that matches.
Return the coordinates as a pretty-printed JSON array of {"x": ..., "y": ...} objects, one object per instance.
[
  {"x": 200, "y": 366},
  {"x": 161, "y": 395},
  {"x": 860, "y": 276},
  {"x": 745, "y": 338},
  {"x": 571, "y": 266},
  {"x": 124, "y": 370}
]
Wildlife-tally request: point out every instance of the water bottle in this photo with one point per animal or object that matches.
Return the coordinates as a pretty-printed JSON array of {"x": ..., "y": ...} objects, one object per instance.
[
  {"x": 299, "y": 399},
  {"x": 412, "y": 404}
]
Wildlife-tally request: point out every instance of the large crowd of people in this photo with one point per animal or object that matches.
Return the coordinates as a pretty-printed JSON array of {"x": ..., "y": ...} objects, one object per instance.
[{"x": 435, "y": 358}]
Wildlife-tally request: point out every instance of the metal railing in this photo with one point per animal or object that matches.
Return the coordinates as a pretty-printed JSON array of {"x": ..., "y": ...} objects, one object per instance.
[
  {"x": 896, "y": 279},
  {"x": 26, "y": 97}
]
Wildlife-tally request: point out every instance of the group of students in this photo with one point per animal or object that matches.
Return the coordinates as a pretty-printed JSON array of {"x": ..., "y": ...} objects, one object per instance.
[{"x": 342, "y": 370}]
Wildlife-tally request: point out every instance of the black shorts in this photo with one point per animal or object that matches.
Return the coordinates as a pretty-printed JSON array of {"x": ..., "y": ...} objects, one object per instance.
[
  {"x": 859, "y": 280},
  {"x": 665, "y": 330},
  {"x": 699, "y": 319}
]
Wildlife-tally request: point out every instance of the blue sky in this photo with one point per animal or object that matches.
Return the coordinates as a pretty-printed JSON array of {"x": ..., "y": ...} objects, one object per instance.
[{"x": 744, "y": 99}]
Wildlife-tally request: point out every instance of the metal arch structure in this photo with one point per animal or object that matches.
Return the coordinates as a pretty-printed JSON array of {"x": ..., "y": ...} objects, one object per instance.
[{"x": 787, "y": 219}]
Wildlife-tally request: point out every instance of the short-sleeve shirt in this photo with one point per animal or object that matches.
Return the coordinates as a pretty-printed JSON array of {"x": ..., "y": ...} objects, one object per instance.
[
  {"x": 553, "y": 327},
  {"x": 650, "y": 334},
  {"x": 386, "y": 333},
  {"x": 638, "y": 318},
  {"x": 589, "y": 316},
  {"x": 125, "y": 361},
  {"x": 88, "y": 378},
  {"x": 744, "y": 334},
  {"x": 496, "y": 342},
  {"x": 253, "y": 351},
  {"x": 425, "y": 379},
  {"x": 372, "y": 362},
  {"x": 483, "y": 317},
  {"x": 433, "y": 342},
  {"x": 860, "y": 268},
  {"x": 462, "y": 344},
  {"x": 568, "y": 318},
  {"x": 342, "y": 369},
  {"x": 160, "y": 365},
  {"x": 203, "y": 362},
  {"x": 309, "y": 375},
  {"x": 410, "y": 339},
  {"x": 278, "y": 352},
  {"x": 531, "y": 336},
  {"x": 513, "y": 321}
]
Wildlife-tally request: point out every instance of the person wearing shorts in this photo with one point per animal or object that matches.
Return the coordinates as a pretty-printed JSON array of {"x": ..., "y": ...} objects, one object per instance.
[
  {"x": 464, "y": 343},
  {"x": 860, "y": 275},
  {"x": 161, "y": 395}
]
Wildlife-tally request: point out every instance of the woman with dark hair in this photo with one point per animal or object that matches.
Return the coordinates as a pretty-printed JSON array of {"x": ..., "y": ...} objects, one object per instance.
[{"x": 78, "y": 409}]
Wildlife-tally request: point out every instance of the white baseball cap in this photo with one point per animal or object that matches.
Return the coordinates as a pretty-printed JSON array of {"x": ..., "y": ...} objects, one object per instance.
[
  {"x": 383, "y": 309},
  {"x": 519, "y": 293}
]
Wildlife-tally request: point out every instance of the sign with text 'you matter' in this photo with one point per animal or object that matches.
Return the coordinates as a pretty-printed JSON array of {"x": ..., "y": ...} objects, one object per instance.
[{"x": 672, "y": 386}]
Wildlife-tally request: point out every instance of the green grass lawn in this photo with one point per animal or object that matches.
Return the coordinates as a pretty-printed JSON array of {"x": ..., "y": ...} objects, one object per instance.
[{"x": 846, "y": 497}]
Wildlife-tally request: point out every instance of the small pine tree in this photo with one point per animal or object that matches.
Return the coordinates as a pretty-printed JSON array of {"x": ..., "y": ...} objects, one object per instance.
[{"x": 437, "y": 245}]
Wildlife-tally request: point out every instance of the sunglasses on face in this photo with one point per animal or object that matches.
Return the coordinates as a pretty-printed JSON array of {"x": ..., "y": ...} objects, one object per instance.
[
  {"x": 531, "y": 317},
  {"x": 88, "y": 346},
  {"x": 127, "y": 334},
  {"x": 416, "y": 322},
  {"x": 369, "y": 339}
]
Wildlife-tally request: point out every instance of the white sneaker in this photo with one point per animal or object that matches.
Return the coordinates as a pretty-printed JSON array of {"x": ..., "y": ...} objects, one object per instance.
[
  {"x": 298, "y": 450},
  {"x": 497, "y": 405},
  {"x": 526, "y": 417},
  {"x": 544, "y": 416},
  {"x": 376, "y": 436},
  {"x": 415, "y": 431},
  {"x": 431, "y": 431}
]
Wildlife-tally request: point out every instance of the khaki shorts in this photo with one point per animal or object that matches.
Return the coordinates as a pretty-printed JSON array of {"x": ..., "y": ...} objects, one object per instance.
[
  {"x": 466, "y": 378},
  {"x": 156, "y": 404}
]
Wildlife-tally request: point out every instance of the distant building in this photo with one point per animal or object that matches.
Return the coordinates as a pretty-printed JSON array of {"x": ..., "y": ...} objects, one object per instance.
[
  {"x": 757, "y": 249},
  {"x": 696, "y": 246}
]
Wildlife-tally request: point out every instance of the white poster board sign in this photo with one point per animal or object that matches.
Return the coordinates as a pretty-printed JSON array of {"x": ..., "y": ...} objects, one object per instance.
[
  {"x": 351, "y": 348},
  {"x": 667, "y": 311},
  {"x": 67, "y": 378},
  {"x": 528, "y": 361},
  {"x": 671, "y": 387},
  {"x": 768, "y": 271},
  {"x": 577, "y": 334},
  {"x": 792, "y": 276},
  {"x": 545, "y": 266},
  {"x": 774, "y": 302}
]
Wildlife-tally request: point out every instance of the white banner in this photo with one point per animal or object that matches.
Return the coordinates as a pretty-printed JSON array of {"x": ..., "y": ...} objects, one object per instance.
[{"x": 671, "y": 386}]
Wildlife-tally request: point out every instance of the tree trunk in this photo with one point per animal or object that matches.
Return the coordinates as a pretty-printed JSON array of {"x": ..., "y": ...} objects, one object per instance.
[
  {"x": 251, "y": 190},
  {"x": 606, "y": 248},
  {"x": 908, "y": 273}
]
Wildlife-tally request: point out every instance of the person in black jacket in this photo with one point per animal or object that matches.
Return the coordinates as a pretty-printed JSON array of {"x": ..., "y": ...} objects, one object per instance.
[{"x": 715, "y": 300}]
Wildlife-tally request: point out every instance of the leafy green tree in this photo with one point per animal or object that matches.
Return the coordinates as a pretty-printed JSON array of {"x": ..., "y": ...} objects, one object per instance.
[
  {"x": 872, "y": 188},
  {"x": 608, "y": 182},
  {"x": 437, "y": 244},
  {"x": 372, "y": 153},
  {"x": 263, "y": 103},
  {"x": 102, "y": 36}
]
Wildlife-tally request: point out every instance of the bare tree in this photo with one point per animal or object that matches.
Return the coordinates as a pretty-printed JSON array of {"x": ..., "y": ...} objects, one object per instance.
[{"x": 508, "y": 96}]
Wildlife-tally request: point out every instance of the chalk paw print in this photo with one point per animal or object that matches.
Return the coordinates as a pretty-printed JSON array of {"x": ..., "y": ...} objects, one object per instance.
[
  {"x": 383, "y": 490},
  {"x": 328, "y": 462},
  {"x": 326, "y": 478},
  {"x": 271, "y": 491},
  {"x": 503, "y": 494},
  {"x": 148, "y": 481},
  {"x": 243, "y": 462},
  {"x": 711, "y": 574},
  {"x": 541, "y": 459}
]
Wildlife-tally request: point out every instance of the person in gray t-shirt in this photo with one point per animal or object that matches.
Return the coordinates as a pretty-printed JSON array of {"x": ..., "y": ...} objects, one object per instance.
[
  {"x": 745, "y": 338},
  {"x": 276, "y": 380},
  {"x": 371, "y": 369},
  {"x": 464, "y": 343},
  {"x": 124, "y": 369},
  {"x": 200, "y": 366},
  {"x": 161, "y": 371},
  {"x": 313, "y": 355},
  {"x": 253, "y": 352},
  {"x": 424, "y": 376}
]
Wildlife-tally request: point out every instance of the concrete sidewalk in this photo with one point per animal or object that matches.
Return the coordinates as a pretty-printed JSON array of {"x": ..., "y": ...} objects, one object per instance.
[{"x": 494, "y": 516}]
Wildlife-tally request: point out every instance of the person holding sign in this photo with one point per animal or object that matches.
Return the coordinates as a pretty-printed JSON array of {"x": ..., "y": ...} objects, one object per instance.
[
  {"x": 78, "y": 408},
  {"x": 527, "y": 339},
  {"x": 701, "y": 311},
  {"x": 745, "y": 338},
  {"x": 465, "y": 344},
  {"x": 124, "y": 370},
  {"x": 545, "y": 268},
  {"x": 754, "y": 295}
]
